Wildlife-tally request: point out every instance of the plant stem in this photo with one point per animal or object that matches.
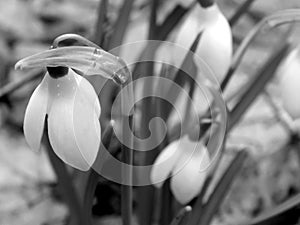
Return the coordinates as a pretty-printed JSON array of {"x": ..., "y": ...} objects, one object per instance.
[
  {"x": 121, "y": 25},
  {"x": 126, "y": 190},
  {"x": 278, "y": 214},
  {"x": 181, "y": 215},
  {"x": 274, "y": 20},
  {"x": 99, "y": 31},
  {"x": 127, "y": 155},
  {"x": 222, "y": 188},
  {"x": 166, "y": 204},
  {"x": 68, "y": 190},
  {"x": 240, "y": 11},
  {"x": 256, "y": 86},
  {"x": 11, "y": 87}
]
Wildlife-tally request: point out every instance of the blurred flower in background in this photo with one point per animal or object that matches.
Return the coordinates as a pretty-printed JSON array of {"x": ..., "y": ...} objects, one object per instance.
[{"x": 186, "y": 162}]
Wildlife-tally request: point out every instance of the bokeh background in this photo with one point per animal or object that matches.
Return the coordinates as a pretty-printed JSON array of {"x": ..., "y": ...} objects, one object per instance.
[{"x": 29, "y": 194}]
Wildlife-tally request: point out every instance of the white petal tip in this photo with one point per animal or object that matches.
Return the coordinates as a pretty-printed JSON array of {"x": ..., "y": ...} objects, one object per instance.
[
  {"x": 112, "y": 122},
  {"x": 35, "y": 149},
  {"x": 18, "y": 65},
  {"x": 158, "y": 185},
  {"x": 82, "y": 166},
  {"x": 84, "y": 169},
  {"x": 188, "y": 208}
]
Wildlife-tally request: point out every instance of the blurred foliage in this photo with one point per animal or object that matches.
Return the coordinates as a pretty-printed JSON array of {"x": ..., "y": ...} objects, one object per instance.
[{"x": 28, "y": 191}]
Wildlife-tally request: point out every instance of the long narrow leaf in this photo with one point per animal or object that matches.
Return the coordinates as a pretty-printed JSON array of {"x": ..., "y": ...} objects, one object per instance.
[
  {"x": 240, "y": 11},
  {"x": 274, "y": 20},
  {"x": 257, "y": 85},
  {"x": 162, "y": 31},
  {"x": 171, "y": 22},
  {"x": 285, "y": 213},
  {"x": 222, "y": 188},
  {"x": 11, "y": 87},
  {"x": 88, "y": 181},
  {"x": 166, "y": 204},
  {"x": 153, "y": 20},
  {"x": 181, "y": 78},
  {"x": 198, "y": 203},
  {"x": 181, "y": 215},
  {"x": 121, "y": 24},
  {"x": 99, "y": 34}
]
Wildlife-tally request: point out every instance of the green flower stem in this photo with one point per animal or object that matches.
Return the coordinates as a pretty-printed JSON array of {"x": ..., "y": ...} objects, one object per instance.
[
  {"x": 274, "y": 20},
  {"x": 99, "y": 28},
  {"x": 257, "y": 85},
  {"x": 76, "y": 37},
  {"x": 240, "y": 12},
  {"x": 126, "y": 190},
  {"x": 182, "y": 214},
  {"x": 166, "y": 204},
  {"x": 127, "y": 156},
  {"x": 121, "y": 25},
  {"x": 221, "y": 189},
  {"x": 146, "y": 193}
]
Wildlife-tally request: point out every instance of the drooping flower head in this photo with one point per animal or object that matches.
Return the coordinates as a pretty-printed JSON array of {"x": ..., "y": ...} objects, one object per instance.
[
  {"x": 215, "y": 46},
  {"x": 69, "y": 101},
  {"x": 186, "y": 162}
]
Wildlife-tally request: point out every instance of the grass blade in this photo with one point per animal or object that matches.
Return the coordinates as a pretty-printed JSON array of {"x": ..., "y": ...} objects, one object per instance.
[
  {"x": 274, "y": 20},
  {"x": 171, "y": 21},
  {"x": 181, "y": 215},
  {"x": 166, "y": 204},
  {"x": 153, "y": 20},
  {"x": 181, "y": 78},
  {"x": 285, "y": 213},
  {"x": 240, "y": 12},
  {"x": 162, "y": 31},
  {"x": 99, "y": 31},
  {"x": 256, "y": 86},
  {"x": 13, "y": 86},
  {"x": 222, "y": 188},
  {"x": 198, "y": 204},
  {"x": 121, "y": 25}
]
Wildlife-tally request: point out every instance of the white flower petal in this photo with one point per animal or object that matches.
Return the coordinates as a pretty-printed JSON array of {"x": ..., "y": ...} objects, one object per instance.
[
  {"x": 290, "y": 83},
  {"x": 164, "y": 163},
  {"x": 35, "y": 113},
  {"x": 86, "y": 115},
  {"x": 189, "y": 173},
  {"x": 215, "y": 46},
  {"x": 74, "y": 130}
]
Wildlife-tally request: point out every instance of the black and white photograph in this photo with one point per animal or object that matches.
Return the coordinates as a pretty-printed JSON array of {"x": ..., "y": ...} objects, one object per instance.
[{"x": 149, "y": 112}]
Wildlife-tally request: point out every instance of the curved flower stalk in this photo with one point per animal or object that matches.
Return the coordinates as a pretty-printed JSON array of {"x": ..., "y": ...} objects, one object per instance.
[
  {"x": 187, "y": 163},
  {"x": 274, "y": 20},
  {"x": 290, "y": 83},
  {"x": 215, "y": 46},
  {"x": 87, "y": 60},
  {"x": 69, "y": 101}
]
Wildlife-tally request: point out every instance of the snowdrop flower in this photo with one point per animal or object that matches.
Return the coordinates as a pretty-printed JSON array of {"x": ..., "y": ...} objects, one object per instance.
[
  {"x": 186, "y": 162},
  {"x": 215, "y": 46},
  {"x": 290, "y": 83},
  {"x": 69, "y": 102}
]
